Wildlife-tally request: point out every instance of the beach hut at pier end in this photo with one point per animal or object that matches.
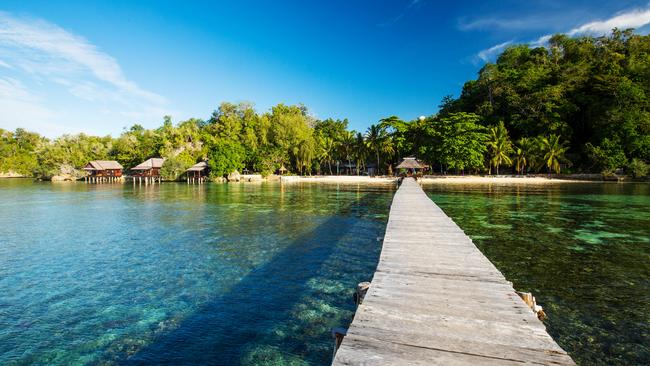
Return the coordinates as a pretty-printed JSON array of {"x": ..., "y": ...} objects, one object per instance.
[
  {"x": 100, "y": 171},
  {"x": 411, "y": 165},
  {"x": 148, "y": 170},
  {"x": 197, "y": 172},
  {"x": 281, "y": 170}
]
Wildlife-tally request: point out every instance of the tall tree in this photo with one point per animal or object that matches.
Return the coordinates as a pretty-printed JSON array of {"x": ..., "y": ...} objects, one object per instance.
[
  {"x": 554, "y": 151},
  {"x": 499, "y": 146},
  {"x": 346, "y": 145},
  {"x": 375, "y": 140}
]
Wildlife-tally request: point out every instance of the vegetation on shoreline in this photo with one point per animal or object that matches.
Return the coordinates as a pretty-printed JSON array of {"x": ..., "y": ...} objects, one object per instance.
[{"x": 577, "y": 105}]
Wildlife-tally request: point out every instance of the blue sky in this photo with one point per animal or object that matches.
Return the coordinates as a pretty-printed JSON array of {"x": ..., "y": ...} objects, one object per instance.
[{"x": 96, "y": 67}]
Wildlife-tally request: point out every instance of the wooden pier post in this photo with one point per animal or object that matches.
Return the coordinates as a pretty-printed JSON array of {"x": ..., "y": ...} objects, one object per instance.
[
  {"x": 338, "y": 334},
  {"x": 362, "y": 289}
]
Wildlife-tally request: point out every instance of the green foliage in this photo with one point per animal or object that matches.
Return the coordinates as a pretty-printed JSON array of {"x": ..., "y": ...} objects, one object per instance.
[
  {"x": 460, "y": 140},
  {"x": 586, "y": 89},
  {"x": 224, "y": 157},
  {"x": 176, "y": 166},
  {"x": 69, "y": 153},
  {"x": 638, "y": 168},
  {"x": 499, "y": 146},
  {"x": 18, "y": 151},
  {"x": 523, "y": 153},
  {"x": 554, "y": 151},
  {"x": 608, "y": 156}
]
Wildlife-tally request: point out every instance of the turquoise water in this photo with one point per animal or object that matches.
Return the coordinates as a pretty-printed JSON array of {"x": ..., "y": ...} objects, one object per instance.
[
  {"x": 178, "y": 274},
  {"x": 583, "y": 250}
]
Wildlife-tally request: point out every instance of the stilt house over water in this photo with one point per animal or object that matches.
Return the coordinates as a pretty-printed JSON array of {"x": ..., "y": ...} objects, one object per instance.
[
  {"x": 103, "y": 170},
  {"x": 148, "y": 168},
  {"x": 197, "y": 173}
]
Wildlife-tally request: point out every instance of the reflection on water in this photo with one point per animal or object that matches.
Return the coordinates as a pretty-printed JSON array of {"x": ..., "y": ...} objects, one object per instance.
[
  {"x": 178, "y": 274},
  {"x": 582, "y": 249}
]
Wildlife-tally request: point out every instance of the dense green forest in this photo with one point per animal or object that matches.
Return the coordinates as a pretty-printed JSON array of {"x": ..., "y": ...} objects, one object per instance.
[{"x": 576, "y": 105}]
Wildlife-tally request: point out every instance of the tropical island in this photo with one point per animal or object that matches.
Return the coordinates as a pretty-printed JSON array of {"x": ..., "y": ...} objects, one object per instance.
[
  {"x": 578, "y": 105},
  {"x": 388, "y": 269}
]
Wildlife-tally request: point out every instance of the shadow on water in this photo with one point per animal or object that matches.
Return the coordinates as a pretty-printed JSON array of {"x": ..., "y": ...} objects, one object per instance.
[{"x": 222, "y": 331}]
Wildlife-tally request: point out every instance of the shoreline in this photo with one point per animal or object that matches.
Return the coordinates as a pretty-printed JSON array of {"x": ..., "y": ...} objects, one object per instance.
[
  {"x": 476, "y": 179},
  {"x": 385, "y": 180},
  {"x": 339, "y": 179}
]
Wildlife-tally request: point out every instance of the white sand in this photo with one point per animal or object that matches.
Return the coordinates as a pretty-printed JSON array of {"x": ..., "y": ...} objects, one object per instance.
[
  {"x": 474, "y": 179},
  {"x": 340, "y": 179}
]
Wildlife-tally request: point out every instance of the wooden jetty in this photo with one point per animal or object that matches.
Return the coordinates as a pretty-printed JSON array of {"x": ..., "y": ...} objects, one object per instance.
[{"x": 435, "y": 299}]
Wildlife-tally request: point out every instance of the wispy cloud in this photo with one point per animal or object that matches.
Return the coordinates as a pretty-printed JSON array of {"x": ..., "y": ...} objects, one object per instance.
[
  {"x": 408, "y": 7},
  {"x": 489, "y": 53},
  {"x": 635, "y": 18},
  {"x": 508, "y": 24},
  {"x": 47, "y": 58},
  {"x": 632, "y": 19}
]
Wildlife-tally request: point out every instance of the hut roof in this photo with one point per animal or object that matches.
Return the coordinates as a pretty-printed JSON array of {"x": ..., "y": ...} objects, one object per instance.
[
  {"x": 103, "y": 165},
  {"x": 410, "y": 163},
  {"x": 150, "y": 164},
  {"x": 282, "y": 168},
  {"x": 198, "y": 167}
]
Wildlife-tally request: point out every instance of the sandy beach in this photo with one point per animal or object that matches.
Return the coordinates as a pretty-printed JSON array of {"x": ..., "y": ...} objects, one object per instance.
[
  {"x": 475, "y": 179},
  {"x": 467, "y": 179},
  {"x": 339, "y": 179}
]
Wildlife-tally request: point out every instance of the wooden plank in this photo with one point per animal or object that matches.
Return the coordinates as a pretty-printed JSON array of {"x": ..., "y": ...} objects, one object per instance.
[{"x": 436, "y": 299}]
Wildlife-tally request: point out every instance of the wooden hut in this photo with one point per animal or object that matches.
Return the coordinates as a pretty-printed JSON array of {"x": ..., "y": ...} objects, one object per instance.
[
  {"x": 197, "y": 173},
  {"x": 412, "y": 165},
  {"x": 148, "y": 170},
  {"x": 282, "y": 170},
  {"x": 103, "y": 171}
]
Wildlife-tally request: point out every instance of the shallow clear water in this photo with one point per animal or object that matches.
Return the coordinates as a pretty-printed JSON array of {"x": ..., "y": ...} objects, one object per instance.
[
  {"x": 583, "y": 250},
  {"x": 178, "y": 274}
]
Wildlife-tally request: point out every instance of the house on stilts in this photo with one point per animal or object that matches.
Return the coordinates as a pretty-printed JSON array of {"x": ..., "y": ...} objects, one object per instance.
[
  {"x": 197, "y": 173},
  {"x": 100, "y": 171},
  {"x": 148, "y": 171}
]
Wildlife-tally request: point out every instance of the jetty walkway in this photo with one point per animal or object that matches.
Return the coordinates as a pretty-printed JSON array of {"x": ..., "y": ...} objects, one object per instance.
[{"x": 435, "y": 299}]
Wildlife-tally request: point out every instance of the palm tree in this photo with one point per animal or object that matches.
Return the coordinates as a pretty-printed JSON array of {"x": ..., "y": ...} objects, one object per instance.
[
  {"x": 388, "y": 149},
  {"x": 499, "y": 146},
  {"x": 304, "y": 154},
  {"x": 327, "y": 150},
  {"x": 375, "y": 140},
  {"x": 524, "y": 148},
  {"x": 346, "y": 144},
  {"x": 397, "y": 130},
  {"x": 553, "y": 152},
  {"x": 360, "y": 152}
]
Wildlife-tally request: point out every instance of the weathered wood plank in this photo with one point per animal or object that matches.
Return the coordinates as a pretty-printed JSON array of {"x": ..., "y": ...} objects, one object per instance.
[{"x": 436, "y": 299}]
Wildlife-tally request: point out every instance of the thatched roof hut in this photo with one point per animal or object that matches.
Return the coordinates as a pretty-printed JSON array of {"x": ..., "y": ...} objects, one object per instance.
[
  {"x": 109, "y": 168},
  {"x": 149, "y": 168},
  {"x": 410, "y": 163},
  {"x": 197, "y": 172},
  {"x": 198, "y": 167},
  {"x": 103, "y": 165},
  {"x": 153, "y": 163}
]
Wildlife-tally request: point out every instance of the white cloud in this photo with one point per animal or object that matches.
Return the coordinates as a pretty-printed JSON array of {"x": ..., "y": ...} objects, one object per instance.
[
  {"x": 53, "y": 41},
  {"x": 509, "y": 24},
  {"x": 489, "y": 53},
  {"x": 632, "y": 19},
  {"x": 636, "y": 18},
  {"x": 48, "y": 65}
]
